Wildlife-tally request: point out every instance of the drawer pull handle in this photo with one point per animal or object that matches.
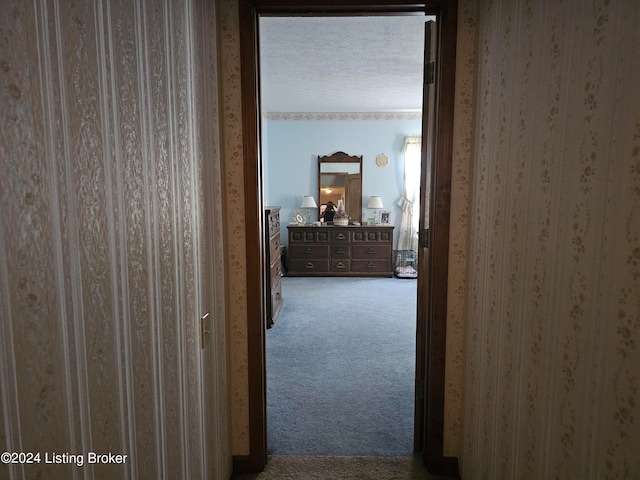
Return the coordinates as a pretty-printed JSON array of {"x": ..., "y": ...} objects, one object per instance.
[
  {"x": 340, "y": 265},
  {"x": 340, "y": 236},
  {"x": 309, "y": 250},
  {"x": 340, "y": 251},
  {"x": 309, "y": 266},
  {"x": 371, "y": 251},
  {"x": 371, "y": 265}
]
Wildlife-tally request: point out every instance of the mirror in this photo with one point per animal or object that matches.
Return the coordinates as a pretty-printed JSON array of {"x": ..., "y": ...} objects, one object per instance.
[{"x": 340, "y": 177}]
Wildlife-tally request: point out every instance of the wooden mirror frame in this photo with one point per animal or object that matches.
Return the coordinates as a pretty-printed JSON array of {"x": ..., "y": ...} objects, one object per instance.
[{"x": 353, "y": 198}]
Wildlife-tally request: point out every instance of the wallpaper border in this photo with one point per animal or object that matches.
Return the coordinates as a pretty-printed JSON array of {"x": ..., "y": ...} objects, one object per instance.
[{"x": 341, "y": 116}]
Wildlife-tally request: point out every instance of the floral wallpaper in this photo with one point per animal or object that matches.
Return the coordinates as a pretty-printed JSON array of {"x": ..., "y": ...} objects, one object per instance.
[
  {"x": 459, "y": 224},
  {"x": 102, "y": 258},
  {"x": 231, "y": 108},
  {"x": 553, "y": 322}
]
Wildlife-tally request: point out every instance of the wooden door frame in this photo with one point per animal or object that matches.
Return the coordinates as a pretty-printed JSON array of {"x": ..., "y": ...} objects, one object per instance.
[{"x": 446, "y": 12}]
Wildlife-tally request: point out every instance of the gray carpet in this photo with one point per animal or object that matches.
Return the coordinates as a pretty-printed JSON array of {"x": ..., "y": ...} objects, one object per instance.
[{"x": 340, "y": 368}]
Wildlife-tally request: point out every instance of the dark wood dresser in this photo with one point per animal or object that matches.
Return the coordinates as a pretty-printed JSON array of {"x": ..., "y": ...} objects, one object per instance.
[
  {"x": 274, "y": 265},
  {"x": 330, "y": 251}
]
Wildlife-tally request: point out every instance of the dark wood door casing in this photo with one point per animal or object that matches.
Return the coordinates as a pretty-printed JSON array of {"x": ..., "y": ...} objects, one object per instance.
[{"x": 446, "y": 12}]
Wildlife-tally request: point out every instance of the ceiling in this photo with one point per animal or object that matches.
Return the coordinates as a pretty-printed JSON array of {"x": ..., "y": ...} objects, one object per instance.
[{"x": 341, "y": 64}]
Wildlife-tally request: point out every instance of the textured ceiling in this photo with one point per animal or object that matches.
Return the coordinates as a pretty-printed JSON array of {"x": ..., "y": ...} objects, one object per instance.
[{"x": 341, "y": 64}]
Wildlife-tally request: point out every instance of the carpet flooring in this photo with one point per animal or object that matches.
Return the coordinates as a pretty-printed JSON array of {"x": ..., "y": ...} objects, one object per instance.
[
  {"x": 342, "y": 468},
  {"x": 340, "y": 368}
]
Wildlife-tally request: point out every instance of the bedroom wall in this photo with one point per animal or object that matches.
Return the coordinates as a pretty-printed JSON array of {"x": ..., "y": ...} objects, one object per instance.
[
  {"x": 295, "y": 141},
  {"x": 552, "y": 353}
]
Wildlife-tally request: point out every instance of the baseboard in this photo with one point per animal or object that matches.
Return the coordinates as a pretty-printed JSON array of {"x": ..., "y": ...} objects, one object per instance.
[
  {"x": 440, "y": 465},
  {"x": 247, "y": 464},
  {"x": 450, "y": 466},
  {"x": 447, "y": 466}
]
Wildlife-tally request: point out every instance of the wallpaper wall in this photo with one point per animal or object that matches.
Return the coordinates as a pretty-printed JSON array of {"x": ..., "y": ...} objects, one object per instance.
[
  {"x": 552, "y": 353},
  {"x": 104, "y": 271},
  {"x": 459, "y": 225},
  {"x": 235, "y": 238}
]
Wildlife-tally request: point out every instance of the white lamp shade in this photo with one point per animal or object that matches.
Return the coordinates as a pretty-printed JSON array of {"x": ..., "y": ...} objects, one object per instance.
[
  {"x": 375, "y": 202},
  {"x": 308, "y": 202}
]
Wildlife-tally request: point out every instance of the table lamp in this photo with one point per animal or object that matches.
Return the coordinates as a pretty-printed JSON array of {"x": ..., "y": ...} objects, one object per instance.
[
  {"x": 375, "y": 203},
  {"x": 308, "y": 202}
]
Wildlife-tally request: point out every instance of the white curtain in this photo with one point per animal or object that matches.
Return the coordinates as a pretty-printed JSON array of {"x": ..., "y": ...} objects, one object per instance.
[{"x": 409, "y": 202}]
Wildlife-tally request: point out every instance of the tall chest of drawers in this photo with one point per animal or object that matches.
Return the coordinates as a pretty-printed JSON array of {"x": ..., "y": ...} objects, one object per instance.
[
  {"x": 273, "y": 267},
  {"x": 330, "y": 251}
]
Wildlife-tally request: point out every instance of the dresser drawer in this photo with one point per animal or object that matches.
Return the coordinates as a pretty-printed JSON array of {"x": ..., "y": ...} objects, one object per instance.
[
  {"x": 373, "y": 266},
  {"x": 308, "y": 251},
  {"x": 276, "y": 270},
  {"x": 339, "y": 265},
  {"x": 309, "y": 266},
  {"x": 340, "y": 251},
  {"x": 276, "y": 297},
  {"x": 340, "y": 236},
  {"x": 274, "y": 247},
  {"x": 309, "y": 235},
  {"x": 273, "y": 221},
  {"x": 371, "y": 251},
  {"x": 373, "y": 235}
]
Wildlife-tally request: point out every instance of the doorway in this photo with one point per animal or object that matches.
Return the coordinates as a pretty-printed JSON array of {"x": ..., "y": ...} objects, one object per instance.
[
  {"x": 433, "y": 333},
  {"x": 327, "y": 86}
]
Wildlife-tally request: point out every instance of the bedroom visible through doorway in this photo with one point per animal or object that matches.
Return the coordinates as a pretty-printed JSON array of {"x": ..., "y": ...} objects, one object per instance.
[
  {"x": 432, "y": 305},
  {"x": 323, "y": 87}
]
